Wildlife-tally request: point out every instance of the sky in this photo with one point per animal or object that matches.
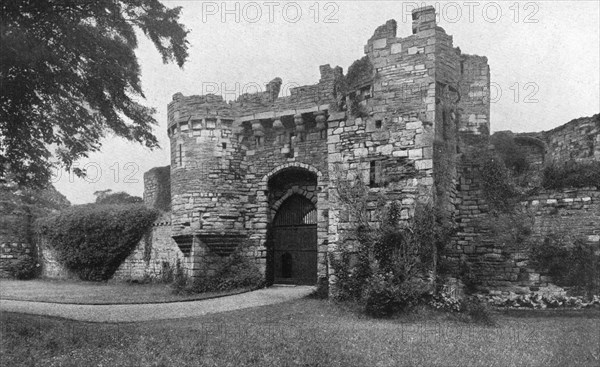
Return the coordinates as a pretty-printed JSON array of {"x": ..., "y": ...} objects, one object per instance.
[{"x": 543, "y": 57}]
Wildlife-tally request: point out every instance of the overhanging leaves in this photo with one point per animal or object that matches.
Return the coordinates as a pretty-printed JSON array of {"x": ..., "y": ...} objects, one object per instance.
[{"x": 69, "y": 75}]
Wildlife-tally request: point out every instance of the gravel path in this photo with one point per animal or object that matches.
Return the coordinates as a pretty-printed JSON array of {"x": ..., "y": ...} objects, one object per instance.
[{"x": 158, "y": 311}]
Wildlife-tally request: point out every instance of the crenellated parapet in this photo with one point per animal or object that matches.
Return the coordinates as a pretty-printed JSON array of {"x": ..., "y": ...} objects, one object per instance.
[{"x": 392, "y": 121}]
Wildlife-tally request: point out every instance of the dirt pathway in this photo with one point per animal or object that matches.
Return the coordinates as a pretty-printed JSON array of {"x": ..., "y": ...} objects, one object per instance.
[{"x": 157, "y": 311}]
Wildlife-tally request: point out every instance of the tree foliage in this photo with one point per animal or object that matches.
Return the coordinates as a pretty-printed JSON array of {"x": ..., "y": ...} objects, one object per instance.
[
  {"x": 69, "y": 75},
  {"x": 107, "y": 197}
]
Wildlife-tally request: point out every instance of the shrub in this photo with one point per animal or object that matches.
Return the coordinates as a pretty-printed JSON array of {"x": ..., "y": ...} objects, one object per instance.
[
  {"x": 537, "y": 301},
  {"x": 442, "y": 301},
  {"x": 384, "y": 273},
  {"x": 180, "y": 278},
  {"x": 93, "y": 240},
  {"x": 499, "y": 189},
  {"x": 361, "y": 71},
  {"x": 385, "y": 269},
  {"x": 167, "y": 275},
  {"x": 352, "y": 271},
  {"x": 572, "y": 174},
  {"x": 512, "y": 154},
  {"x": 467, "y": 275},
  {"x": 385, "y": 295},
  {"x": 508, "y": 230},
  {"x": 322, "y": 291},
  {"x": 571, "y": 262},
  {"x": 116, "y": 198},
  {"x": 235, "y": 272},
  {"x": 24, "y": 267}
]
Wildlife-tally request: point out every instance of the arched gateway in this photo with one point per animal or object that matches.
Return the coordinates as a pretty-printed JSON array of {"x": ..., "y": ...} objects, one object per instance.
[{"x": 294, "y": 236}]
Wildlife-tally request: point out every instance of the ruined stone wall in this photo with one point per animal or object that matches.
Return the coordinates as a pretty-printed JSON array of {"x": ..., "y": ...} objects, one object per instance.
[
  {"x": 577, "y": 140},
  {"x": 474, "y": 91},
  {"x": 506, "y": 267},
  {"x": 387, "y": 141},
  {"x": 19, "y": 208},
  {"x": 157, "y": 188},
  {"x": 15, "y": 230},
  {"x": 10, "y": 252},
  {"x": 534, "y": 150},
  {"x": 410, "y": 123},
  {"x": 447, "y": 120}
]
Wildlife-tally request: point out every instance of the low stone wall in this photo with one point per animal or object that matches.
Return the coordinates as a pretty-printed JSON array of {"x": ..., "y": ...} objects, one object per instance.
[
  {"x": 577, "y": 140},
  {"x": 51, "y": 268},
  {"x": 505, "y": 267},
  {"x": 15, "y": 229},
  {"x": 154, "y": 255},
  {"x": 575, "y": 211},
  {"x": 9, "y": 253}
]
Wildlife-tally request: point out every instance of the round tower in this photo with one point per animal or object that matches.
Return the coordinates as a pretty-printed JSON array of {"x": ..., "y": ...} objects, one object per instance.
[{"x": 206, "y": 185}]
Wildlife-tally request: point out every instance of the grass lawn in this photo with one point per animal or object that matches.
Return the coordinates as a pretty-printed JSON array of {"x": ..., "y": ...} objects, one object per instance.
[
  {"x": 80, "y": 292},
  {"x": 305, "y": 332}
]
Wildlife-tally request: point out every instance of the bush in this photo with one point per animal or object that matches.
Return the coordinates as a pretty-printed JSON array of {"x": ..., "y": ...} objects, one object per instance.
[
  {"x": 384, "y": 273},
  {"x": 498, "y": 187},
  {"x": 93, "y": 240},
  {"x": 180, "y": 278},
  {"x": 385, "y": 295},
  {"x": 235, "y": 272},
  {"x": 352, "y": 271},
  {"x": 537, "y": 301},
  {"x": 23, "y": 268},
  {"x": 322, "y": 291},
  {"x": 513, "y": 155},
  {"x": 573, "y": 263},
  {"x": 572, "y": 174},
  {"x": 442, "y": 301},
  {"x": 116, "y": 198},
  {"x": 167, "y": 275}
]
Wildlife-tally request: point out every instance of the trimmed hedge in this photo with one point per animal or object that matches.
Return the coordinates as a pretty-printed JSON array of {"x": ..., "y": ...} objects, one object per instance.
[{"x": 93, "y": 240}]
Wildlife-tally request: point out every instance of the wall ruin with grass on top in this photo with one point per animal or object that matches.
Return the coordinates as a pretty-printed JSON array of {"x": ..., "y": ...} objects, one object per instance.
[{"x": 505, "y": 266}]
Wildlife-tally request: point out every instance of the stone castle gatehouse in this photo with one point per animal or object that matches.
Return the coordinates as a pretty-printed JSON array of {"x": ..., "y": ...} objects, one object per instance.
[
  {"x": 261, "y": 169},
  {"x": 262, "y": 173},
  {"x": 264, "y": 170}
]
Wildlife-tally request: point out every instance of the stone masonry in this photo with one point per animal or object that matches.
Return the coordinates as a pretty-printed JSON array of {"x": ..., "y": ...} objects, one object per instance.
[
  {"x": 393, "y": 121},
  {"x": 263, "y": 170}
]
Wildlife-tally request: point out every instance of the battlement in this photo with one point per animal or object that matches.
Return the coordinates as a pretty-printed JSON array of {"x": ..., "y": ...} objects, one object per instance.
[
  {"x": 234, "y": 163},
  {"x": 423, "y": 19},
  {"x": 191, "y": 112}
]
